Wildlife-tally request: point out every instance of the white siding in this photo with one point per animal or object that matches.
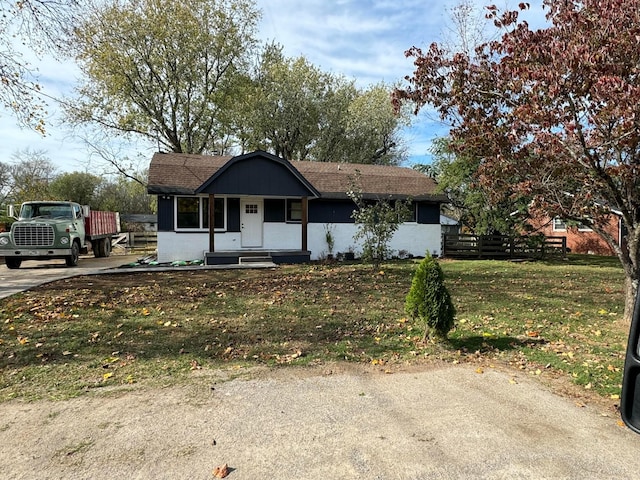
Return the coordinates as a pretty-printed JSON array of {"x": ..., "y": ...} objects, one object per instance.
[{"x": 413, "y": 238}]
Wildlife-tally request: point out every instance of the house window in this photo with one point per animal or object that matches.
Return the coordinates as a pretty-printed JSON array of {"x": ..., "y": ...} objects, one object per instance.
[
  {"x": 193, "y": 213},
  {"x": 251, "y": 208},
  {"x": 294, "y": 210},
  {"x": 188, "y": 212},
  {"x": 559, "y": 225},
  {"x": 413, "y": 210},
  {"x": 218, "y": 214}
]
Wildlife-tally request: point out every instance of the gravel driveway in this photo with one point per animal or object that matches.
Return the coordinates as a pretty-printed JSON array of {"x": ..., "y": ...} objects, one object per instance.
[{"x": 339, "y": 422}]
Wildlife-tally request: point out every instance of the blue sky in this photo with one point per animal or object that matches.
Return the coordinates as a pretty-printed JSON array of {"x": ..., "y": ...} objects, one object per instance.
[{"x": 361, "y": 39}]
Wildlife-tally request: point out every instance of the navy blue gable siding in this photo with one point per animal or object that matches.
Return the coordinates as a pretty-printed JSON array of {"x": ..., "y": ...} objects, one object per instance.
[
  {"x": 274, "y": 210},
  {"x": 165, "y": 213},
  {"x": 233, "y": 214},
  {"x": 257, "y": 176},
  {"x": 331, "y": 211},
  {"x": 428, "y": 212}
]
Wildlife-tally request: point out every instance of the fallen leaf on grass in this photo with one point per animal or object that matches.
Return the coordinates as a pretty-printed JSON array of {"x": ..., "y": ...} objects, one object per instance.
[{"x": 221, "y": 471}]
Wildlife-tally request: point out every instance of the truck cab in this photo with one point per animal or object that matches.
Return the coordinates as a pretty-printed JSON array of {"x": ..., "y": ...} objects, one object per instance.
[{"x": 45, "y": 230}]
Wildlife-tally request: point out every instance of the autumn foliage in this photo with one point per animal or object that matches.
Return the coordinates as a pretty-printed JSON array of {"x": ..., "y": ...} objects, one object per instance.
[{"x": 552, "y": 114}]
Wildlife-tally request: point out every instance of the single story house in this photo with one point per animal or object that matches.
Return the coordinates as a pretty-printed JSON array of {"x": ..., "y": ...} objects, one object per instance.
[{"x": 225, "y": 209}]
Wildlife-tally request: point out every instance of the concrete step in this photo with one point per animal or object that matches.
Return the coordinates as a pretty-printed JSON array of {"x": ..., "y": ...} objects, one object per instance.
[{"x": 255, "y": 259}]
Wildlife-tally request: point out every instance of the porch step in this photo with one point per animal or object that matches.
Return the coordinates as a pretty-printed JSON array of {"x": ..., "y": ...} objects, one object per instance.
[{"x": 255, "y": 259}]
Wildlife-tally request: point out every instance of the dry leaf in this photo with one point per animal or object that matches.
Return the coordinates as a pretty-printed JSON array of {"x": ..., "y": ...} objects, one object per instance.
[{"x": 221, "y": 472}]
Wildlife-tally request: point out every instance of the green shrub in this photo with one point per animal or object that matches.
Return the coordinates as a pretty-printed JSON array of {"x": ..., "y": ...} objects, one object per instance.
[{"x": 429, "y": 301}]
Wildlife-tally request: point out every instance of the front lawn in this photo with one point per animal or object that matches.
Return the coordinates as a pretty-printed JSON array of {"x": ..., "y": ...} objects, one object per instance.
[{"x": 76, "y": 335}]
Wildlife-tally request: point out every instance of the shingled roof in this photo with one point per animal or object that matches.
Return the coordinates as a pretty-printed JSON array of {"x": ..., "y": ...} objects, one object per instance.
[{"x": 177, "y": 173}]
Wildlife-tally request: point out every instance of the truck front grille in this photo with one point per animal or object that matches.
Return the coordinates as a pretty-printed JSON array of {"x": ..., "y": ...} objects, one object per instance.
[{"x": 33, "y": 235}]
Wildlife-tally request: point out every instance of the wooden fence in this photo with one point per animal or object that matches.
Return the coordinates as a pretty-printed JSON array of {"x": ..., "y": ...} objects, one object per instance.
[
  {"x": 502, "y": 246},
  {"x": 142, "y": 240}
]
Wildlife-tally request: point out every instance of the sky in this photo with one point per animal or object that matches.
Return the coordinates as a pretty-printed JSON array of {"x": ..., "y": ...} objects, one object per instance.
[{"x": 363, "y": 40}]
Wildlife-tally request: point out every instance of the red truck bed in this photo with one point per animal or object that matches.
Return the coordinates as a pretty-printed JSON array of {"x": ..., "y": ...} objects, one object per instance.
[{"x": 100, "y": 224}]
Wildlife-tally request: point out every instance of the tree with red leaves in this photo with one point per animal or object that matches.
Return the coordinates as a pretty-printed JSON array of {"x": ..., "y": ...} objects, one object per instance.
[{"x": 552, "y": 114}]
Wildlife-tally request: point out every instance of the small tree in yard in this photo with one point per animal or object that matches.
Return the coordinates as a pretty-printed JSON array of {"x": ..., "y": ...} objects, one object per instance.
[
  {"x": 429, "y": 300},
  {"x": 377, "y": 221}
]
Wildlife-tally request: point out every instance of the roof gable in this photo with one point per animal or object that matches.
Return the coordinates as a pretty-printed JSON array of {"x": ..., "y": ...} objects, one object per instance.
[{"x": 258, "y": 173}]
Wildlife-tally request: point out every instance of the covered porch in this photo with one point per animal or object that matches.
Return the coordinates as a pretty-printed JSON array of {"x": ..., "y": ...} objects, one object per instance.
[{"x": 270, "y": 213}]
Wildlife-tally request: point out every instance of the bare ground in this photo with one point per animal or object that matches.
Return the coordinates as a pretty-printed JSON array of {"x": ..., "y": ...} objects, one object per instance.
[{"x": 333, "y": 421}]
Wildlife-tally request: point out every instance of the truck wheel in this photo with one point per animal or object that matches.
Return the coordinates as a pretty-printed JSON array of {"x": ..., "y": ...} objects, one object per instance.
[
  {"x": 72, "y": 260},
  {"x": 95, "y": 246},
  {"x": 107, "y": 247},
  {"x": 12, "y": 262},
  {"x": 100, "y": 248}
]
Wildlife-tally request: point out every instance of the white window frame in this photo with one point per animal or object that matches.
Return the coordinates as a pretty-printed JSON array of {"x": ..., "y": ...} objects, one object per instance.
[
  {"x": 559, "y": 225},
  {"x": 201, "y": 220},
  {"x": 286, "y": 210}
]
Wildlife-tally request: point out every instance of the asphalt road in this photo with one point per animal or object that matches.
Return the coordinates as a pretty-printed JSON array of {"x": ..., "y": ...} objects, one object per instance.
[{"x": 35, "y": 272}]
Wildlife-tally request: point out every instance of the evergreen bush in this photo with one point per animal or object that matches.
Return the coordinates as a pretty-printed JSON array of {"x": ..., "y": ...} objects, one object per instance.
[{"x": 429, "y": 301}]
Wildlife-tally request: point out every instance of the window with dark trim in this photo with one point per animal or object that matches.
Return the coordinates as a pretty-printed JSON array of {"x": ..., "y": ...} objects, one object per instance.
[
  {"x": 294, "y": 210},
  {"x": 413, "y": 213}
]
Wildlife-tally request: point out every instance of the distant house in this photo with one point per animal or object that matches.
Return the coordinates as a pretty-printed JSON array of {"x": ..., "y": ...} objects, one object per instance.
[
  {"x": 449, "y": 225},
  {"x": 222, "y": 209},
  {"x": 139, "y": 222},
  {"x": 581, "y": 239}
]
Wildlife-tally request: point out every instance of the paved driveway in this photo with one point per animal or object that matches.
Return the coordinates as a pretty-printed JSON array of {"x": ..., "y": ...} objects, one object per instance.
[{"x": 33, "y": 273}]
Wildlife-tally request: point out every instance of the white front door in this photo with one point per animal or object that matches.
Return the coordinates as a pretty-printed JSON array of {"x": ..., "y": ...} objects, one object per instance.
[{"x": 251, "y": 222}]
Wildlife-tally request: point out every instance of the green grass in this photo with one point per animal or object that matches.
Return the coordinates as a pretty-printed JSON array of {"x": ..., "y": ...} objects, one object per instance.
[{"x": 79, "y": 335}]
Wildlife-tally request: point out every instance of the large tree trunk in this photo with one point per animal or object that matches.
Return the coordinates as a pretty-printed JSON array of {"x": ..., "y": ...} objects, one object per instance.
[
  {"x": 630, "y": 290},
  {"x": 629, "y": 254}
]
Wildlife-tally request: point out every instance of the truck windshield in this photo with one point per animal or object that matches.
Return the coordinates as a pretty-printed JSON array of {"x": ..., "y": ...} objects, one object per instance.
[{"x": 38, "y": 210}]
